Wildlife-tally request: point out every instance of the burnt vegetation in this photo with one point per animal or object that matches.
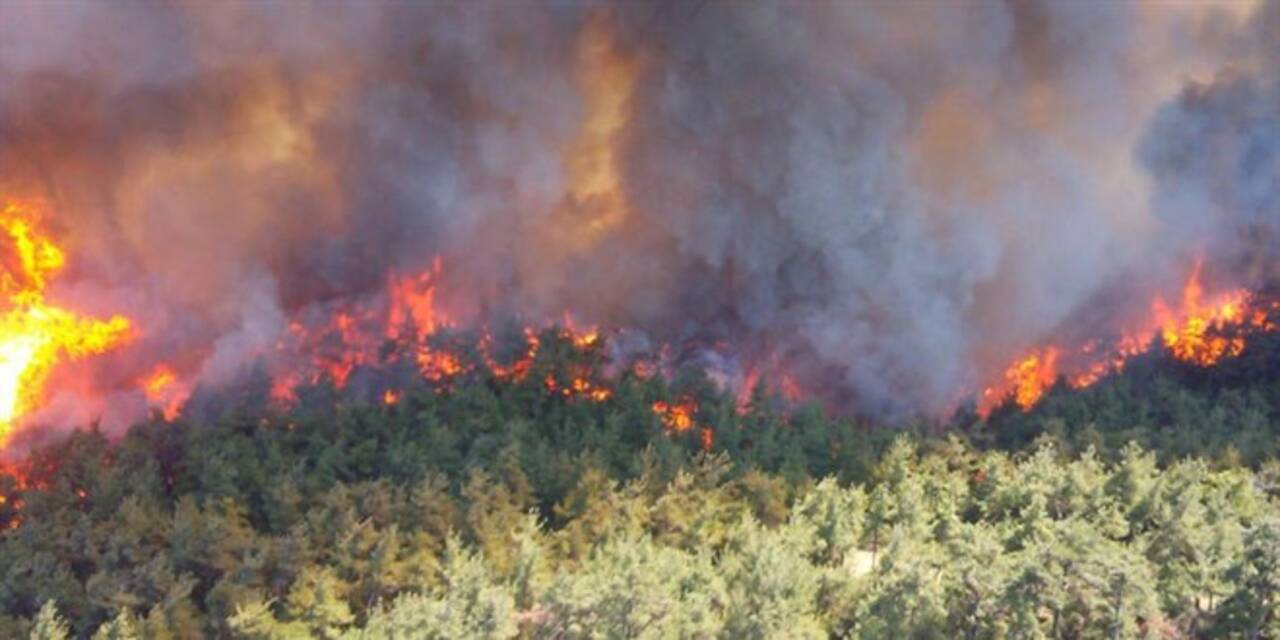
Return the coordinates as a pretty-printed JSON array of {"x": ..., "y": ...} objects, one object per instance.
[{"x": 496, "y": 506}]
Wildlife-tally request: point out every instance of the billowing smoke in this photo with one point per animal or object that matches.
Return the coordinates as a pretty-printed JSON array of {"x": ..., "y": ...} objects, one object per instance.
[
  {"x": 1214, "y": 153},
  {"x": 887, "y": 200}
]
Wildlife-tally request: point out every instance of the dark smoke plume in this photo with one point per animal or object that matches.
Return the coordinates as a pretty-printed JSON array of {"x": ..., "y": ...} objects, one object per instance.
[{"x": 887, "y": 200}]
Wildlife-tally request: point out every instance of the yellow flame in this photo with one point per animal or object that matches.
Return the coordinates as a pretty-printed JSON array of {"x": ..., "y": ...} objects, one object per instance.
[
  {"x": 1032, "y": 376},
  {"x": 1190, "y": 335},
  {"x": 34, "y": 335}
]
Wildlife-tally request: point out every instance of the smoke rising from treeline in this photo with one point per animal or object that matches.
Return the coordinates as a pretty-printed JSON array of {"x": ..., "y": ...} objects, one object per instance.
[{"x": 887, "y": 200}]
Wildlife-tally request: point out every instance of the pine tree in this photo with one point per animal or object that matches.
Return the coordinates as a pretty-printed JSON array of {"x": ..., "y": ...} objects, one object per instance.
[
  {"x": 470, "y": 604},
  {"x": 772, "y": 587},
  {"x": 121, "y": 627},
  {"x": 1253, "y": 609},
  {"x": 633, "y": 588},
  {"x": 494, "y": 510},
  {"x": 908, "y": 596},
  {"x": 836, "y": 516},
  {"x": 975, "y": 581},
  {"x": 48, "y": 625}
]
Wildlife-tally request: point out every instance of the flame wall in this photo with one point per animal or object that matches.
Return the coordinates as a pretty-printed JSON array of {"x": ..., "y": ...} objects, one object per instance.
[{"x": 889, "y": 201}]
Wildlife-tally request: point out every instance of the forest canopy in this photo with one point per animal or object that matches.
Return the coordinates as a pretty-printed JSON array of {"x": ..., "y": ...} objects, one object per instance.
[{"x": 1143, "y": 506}]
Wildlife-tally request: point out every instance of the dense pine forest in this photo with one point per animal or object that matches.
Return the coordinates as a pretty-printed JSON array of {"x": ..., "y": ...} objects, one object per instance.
[
  {"x": 640, "y": 319},
  {"x": 1147, "y": 505}
]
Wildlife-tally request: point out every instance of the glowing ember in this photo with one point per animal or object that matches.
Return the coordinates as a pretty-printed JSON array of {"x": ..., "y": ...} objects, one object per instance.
[
  {"x": 438, "y": 366},
  {"x": 745, "y": 391},
  {"x": 585, "y": 340},
  {"x": 517, "y": 369},
  {"x": 580, "y": 387},
  {"x": 34, "y": 335},
  {"x": 11, "y": 504},
  {"x": 582, "y": 337},
  {"x": 772, "y": 380},
  {"x": 676, "y": 417},
  {"x": 390, "y": 397}
]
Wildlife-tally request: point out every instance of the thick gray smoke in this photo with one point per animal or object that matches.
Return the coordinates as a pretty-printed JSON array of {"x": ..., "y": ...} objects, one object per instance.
[
  {"x": 1215, "y": 153},
  {"x": 888, "y": 200}
]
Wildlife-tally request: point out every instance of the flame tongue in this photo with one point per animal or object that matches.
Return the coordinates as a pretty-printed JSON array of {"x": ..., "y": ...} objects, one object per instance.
[
  {"x": 405, "y": 326},
  {"x": 1190, "y": 336},
  {"x": 34, "y": 335},
  {"x": 1198, "y": 332},
  {"x": 165, "y": 392}
]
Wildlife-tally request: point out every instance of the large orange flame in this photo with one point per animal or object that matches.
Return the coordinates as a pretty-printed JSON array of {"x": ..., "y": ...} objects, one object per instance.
[
  {"x": 1196, "y": 335},
  {"x": 1032, "y": 376},
  {"x": 35, "y": 335},
  {"x": 1200, "y": 331}
]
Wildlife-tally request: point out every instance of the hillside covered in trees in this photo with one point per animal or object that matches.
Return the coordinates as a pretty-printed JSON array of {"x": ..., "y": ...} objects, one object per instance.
[{"x": 1147, "y": 505}]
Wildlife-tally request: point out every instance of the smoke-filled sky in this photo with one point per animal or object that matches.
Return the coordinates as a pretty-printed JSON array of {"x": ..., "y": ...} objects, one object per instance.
[{"x": 891, "y": 199}]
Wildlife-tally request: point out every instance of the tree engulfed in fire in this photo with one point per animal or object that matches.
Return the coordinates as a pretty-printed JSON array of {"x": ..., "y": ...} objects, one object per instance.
[
  {"x": 678, "y": 417},
  {"x": 408, "y": 327},
  {"x": 1195, "y": 335},
  {"x": 330, "y": 341},
  {"x": 1031, "y": 376},
  {"x": 34, "y": 334},
  {"x": 1197, "y": 332}
]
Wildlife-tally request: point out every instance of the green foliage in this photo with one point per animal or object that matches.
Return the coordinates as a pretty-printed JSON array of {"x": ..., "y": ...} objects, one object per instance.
[
  {"x": 49, "y": 625},
  {"x": 495, "y": 509},
  {"x": 772, "y": 586},
  {"x": 633, "y": 588},
  {"x": 121, "y": 627},
  {"x": 835, "y": 515},
  {"x": 1253, "y": 608},
  {"x": 469, "y": 604}
]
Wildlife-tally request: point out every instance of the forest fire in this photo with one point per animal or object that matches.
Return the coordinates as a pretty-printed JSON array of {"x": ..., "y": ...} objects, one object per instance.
[
  {"x": 578, "y": 387},
  {"x": 405, "y": 326},
  {"x": 1198, "y": 332},
  {"x": 36, "y": 335},
  {"x": 679, "y": 417},
  {"x": 1204, "y": 333},
  {"x": 598, "y": 198},
  {"x": 408, "y": 327},
  {"x": 804, "y": 319},
  {"x": 315, "y": 348},
  {"x": 165, "y": 392},
  {"x": 676, "y": 416},
  {"x": 1032, "y": 375}
]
